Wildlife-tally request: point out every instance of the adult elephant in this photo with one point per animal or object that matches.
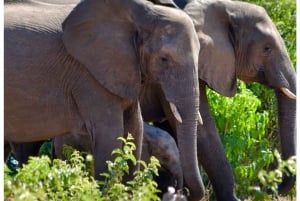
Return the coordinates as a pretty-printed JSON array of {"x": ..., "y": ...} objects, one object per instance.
[
  {"x": 239, "y": 40},
  {"x": 86, "y": 76},
  {"x": 249, "y": 51}
]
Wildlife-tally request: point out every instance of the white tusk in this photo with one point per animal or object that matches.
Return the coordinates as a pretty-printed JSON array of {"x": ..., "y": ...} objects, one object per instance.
[
  {"x": 175, "y": 112},
  {"x": 200, "y": 118},
  {"x": 288, "y": 93}
]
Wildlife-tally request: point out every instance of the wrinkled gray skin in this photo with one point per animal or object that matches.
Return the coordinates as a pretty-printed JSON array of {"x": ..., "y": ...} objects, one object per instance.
[
  {"x": 76, "y": 79},
  {"x": 239, "y": 40},
  {"x": 231, "y": 19},
  {"x": 160, "y": 144},
  {"x": 250, "y": 48},
  {"x": 242, "y": 42},
  {"x": 156, "y": 142}
]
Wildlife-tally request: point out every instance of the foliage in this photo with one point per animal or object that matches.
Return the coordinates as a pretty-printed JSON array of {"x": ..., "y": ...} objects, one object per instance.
[
  {"x": 269, "y": 180},
  {"x": 243, "y": 132},
  {"x": 141, "y": 188},
  {"x": 43, "y": 179},
  {"x": 46, "y": 148}
]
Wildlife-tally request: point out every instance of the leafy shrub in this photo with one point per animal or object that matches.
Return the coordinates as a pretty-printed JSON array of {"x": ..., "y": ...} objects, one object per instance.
[
  {"x": 142, "y": 187},
  {"x": 269, "y": 180},
  {"x": 43, "y": 179},
  {"x": 243, "y": 132}
]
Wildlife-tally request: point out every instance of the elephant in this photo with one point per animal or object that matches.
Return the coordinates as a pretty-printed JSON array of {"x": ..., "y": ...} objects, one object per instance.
[
  {"x": 81, "y": 70},
  {"x": 239, "y": 40},
  {"x": 156, "y": 142},
  {"x": 221, "y": 29}
]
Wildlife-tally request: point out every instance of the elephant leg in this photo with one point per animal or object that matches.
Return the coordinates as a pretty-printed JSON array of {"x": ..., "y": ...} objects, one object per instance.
[
  {"x": 211, "y": 154},
  {"x": 7, "y": 150},
  {"x": 133, "y": 124},
  {"x": 24, "y": 150},
  {"x": 104, "y": 141}
]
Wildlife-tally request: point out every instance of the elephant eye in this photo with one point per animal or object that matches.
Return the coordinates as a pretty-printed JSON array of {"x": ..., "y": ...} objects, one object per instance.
[
  {"x": 267, "y": 50},
  {"x": 163, "y": 58}
]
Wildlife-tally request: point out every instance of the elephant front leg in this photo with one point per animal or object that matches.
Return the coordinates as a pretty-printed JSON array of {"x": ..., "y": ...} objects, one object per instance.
[
  {"x": 211, "y": 154},
  {"x": 212, "y": 157},
  {"x": 104, "y": 136},
  {"x": 133, "y": 124}
]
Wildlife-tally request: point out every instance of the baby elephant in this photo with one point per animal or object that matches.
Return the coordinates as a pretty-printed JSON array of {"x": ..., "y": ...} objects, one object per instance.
[{"x": 156, "y": 142}]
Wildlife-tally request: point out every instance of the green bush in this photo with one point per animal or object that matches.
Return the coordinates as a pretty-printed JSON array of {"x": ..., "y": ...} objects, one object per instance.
[
  {"x": 243, "y": 130},
  {"x": 43, "y": 179},
  {"x": 243, "y": 133}
]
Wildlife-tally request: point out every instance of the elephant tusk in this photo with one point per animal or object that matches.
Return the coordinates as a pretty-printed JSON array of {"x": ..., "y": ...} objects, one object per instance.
[
  {"x": 175, "y": 112},
  {"x": 288, "y": 93},
  {"x": 200, "y": 118}
]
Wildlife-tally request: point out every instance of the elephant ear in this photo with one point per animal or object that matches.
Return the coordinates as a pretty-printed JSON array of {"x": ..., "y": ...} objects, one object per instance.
[
  {"x": 217, "y": 57},
  {"x": 105, "y": 46}
]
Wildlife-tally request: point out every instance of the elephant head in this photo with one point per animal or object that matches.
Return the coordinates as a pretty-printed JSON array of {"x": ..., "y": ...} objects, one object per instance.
[
  {"x": 125, "y": 44},
  {"x": 239, "y": 40}
]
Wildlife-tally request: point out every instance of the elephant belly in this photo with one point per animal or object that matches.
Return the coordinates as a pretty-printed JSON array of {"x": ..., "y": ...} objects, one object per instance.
[{"x": 31, "y": 115}]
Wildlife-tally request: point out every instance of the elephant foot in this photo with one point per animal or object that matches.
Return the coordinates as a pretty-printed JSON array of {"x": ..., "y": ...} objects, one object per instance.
[{"x": 230, "y": 197}]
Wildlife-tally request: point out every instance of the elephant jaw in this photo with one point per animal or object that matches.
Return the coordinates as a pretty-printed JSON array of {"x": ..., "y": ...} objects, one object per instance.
[
  {"x": 177, "y": 115},
  {"x": 288, "y": 93}
]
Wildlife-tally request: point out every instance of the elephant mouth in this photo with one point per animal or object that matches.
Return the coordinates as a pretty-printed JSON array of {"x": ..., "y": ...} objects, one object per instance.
[{"x": 259, "y": 77}]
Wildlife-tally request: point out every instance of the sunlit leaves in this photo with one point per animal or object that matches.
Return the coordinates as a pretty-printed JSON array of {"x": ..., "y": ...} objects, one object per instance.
[{"x": 43, "y": 179}]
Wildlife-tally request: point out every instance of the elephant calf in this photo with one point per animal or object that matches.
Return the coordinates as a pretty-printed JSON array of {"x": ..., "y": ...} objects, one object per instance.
[{"x": 157, "y": 142}]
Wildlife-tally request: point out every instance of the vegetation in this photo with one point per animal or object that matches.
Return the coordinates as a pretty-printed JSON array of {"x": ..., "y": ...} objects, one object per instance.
[
  {"x": 243, "y": 130},
  {"x": 43, "y": 179},
  {"x": 247, "y": 124}
]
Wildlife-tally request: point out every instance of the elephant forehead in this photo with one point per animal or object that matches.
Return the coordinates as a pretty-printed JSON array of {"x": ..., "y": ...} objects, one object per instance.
[{"x": 175, "y": 16}]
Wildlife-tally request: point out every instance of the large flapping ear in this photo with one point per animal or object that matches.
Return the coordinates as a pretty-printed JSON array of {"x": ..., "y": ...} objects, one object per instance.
[
  {"x": 217, "y": 57},
  {"x": 105, "y": 46}
]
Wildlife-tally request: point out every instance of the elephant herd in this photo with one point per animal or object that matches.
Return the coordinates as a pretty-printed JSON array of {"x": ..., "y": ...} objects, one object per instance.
[{"x": 85, "y": 73}]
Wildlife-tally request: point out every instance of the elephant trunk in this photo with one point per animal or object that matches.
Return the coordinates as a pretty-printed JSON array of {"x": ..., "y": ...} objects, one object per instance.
[
  {"x": 283, "y": 79},
  {"x": 187, "y": 145},
  {"x": 287, "y": 131}
]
